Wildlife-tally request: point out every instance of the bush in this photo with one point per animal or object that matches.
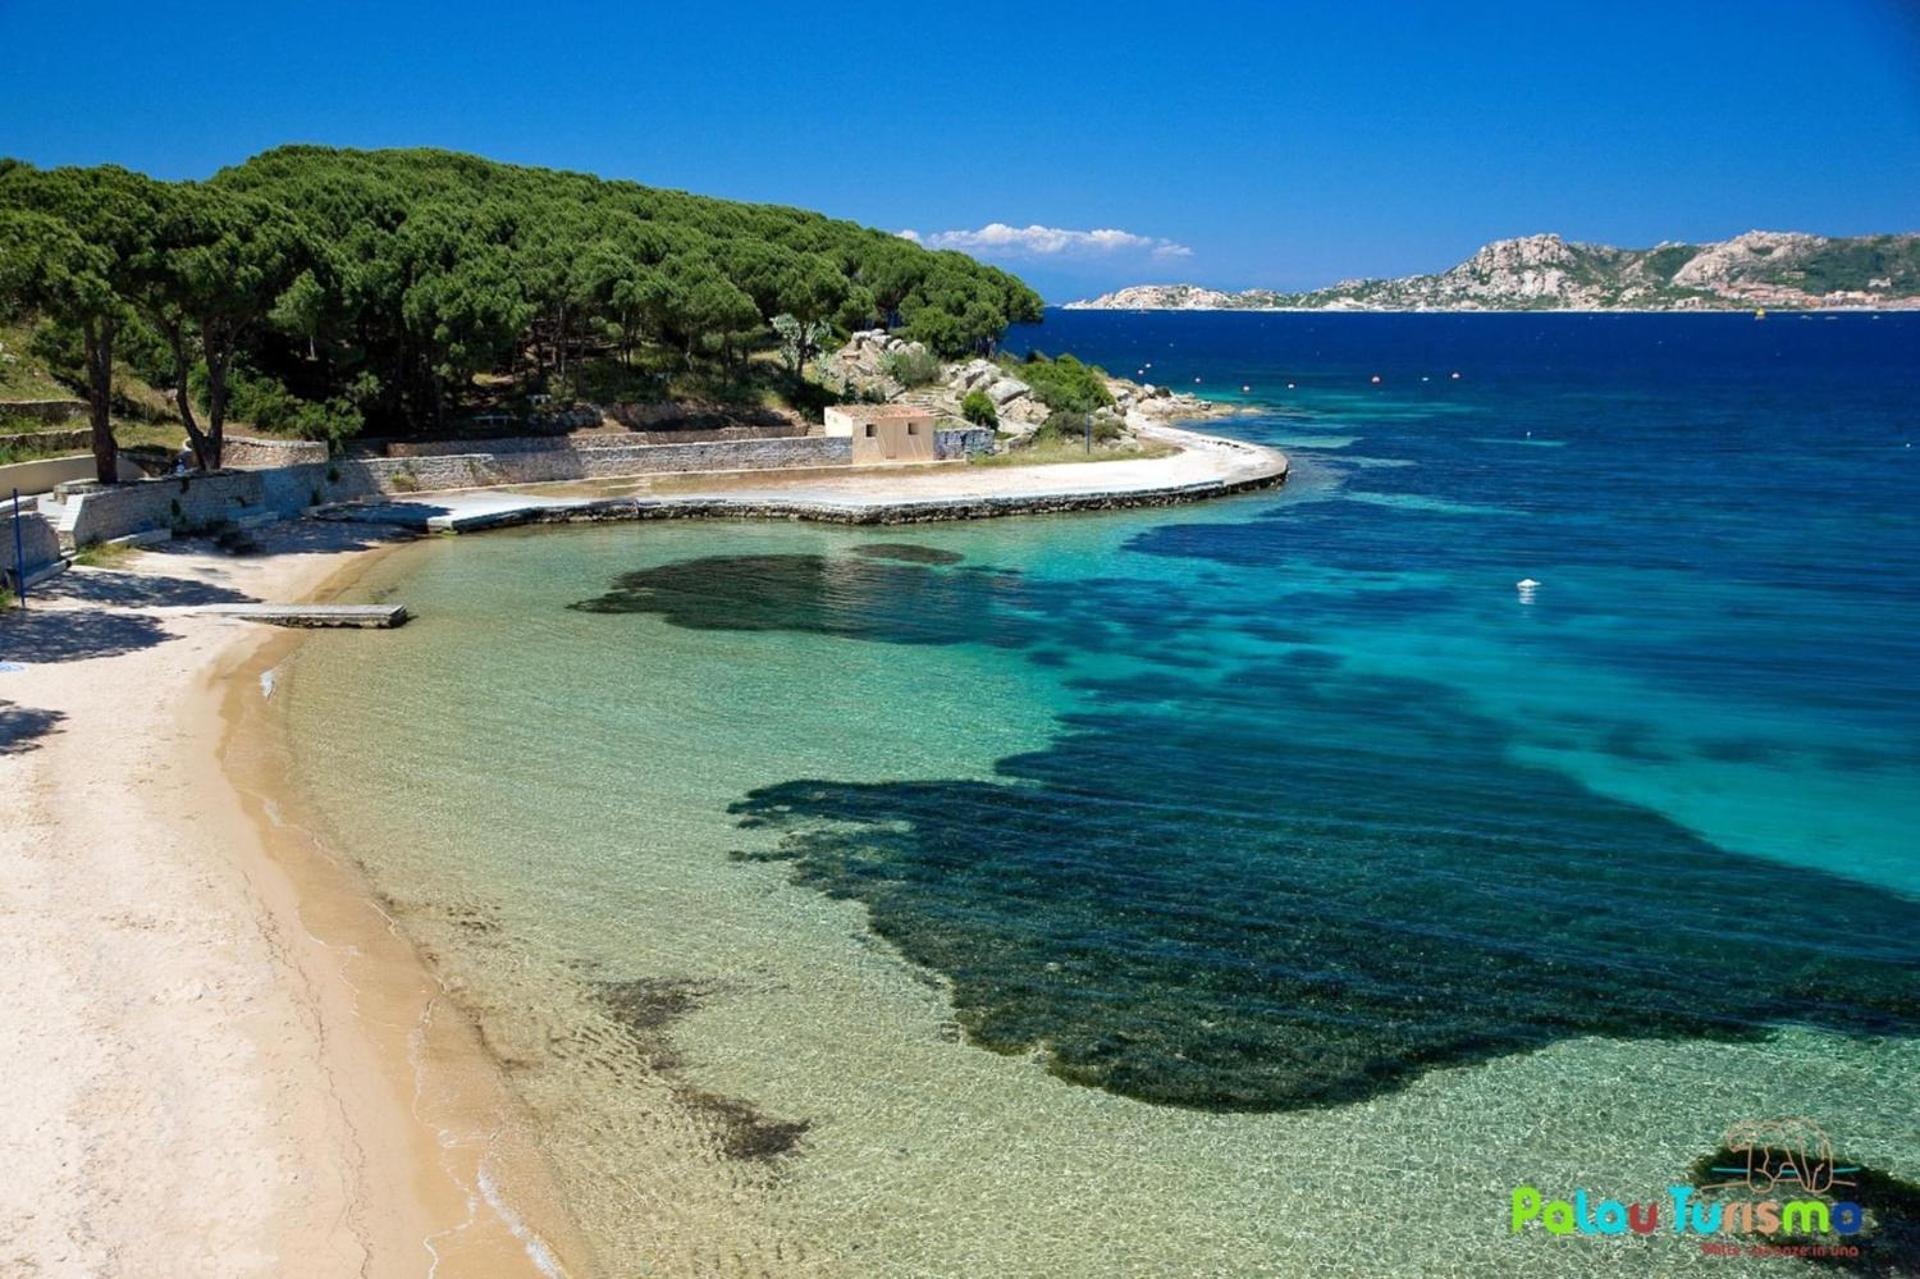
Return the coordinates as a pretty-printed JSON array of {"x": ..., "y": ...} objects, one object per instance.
[
  {"x": 911, "y": 368},
  {"x": 1072, "y": 428},
  {"x": 978, "y": 409},
  {"x": 265, "y": 403},
  {"x": 1065, "y": 384}
]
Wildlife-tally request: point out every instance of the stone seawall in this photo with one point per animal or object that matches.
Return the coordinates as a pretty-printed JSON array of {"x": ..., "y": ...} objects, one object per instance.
[
  {"x": 927, "y": 512},
  {"x": 476, "y": 512},
  {"x": 200, "y": 501}
]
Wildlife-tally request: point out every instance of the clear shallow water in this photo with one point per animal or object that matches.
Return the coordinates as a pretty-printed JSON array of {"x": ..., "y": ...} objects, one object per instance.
[{"x": 1261, "y": 887}]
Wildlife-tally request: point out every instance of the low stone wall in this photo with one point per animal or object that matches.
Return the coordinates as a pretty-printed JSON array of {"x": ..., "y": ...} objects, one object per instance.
[
  {"x": 672, "y": 415},
  {"x": 45, "y": 410},
  {"x": 249, "y": 453},
  {"x": 198, "y": 501},
  {"x": 39, "y": 545},
  {"x": 625, "y": 439},
  {"x": 957, "y": 442},
  {"x": 48, "y": 441}
]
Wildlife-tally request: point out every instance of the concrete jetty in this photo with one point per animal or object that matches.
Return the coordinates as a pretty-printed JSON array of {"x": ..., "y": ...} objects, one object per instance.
[{"x": 361, "y": 616}]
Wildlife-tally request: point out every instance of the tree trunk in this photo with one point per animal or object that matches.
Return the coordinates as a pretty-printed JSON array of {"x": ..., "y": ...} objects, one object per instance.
[
  {"x": 216, "y": 410},
  {"x": 183, "y": 397},
  {"x": 98, "y": 340}
]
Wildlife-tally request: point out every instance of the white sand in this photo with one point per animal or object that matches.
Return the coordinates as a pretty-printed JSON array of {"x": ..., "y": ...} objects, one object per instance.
[
  {"x": 219, "y": 1056},
  {"x": 207, "y": 1072}
]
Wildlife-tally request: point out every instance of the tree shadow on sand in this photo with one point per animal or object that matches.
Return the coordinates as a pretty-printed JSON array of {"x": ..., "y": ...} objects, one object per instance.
[
  {"x": 138, "y": 590},
  {"x": 21, "y": 727},
  {"x": 33, "y": 636}
]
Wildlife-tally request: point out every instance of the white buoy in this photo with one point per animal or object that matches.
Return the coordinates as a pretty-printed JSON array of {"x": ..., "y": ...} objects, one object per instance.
[
  {"x": 1376, "y": 379},
  {"x": 1245, "y": 390},
  {"x": 1289, "y": 386},
  {"x": 1456, "y": 377},
  {"x": 1526, "y": 586}
]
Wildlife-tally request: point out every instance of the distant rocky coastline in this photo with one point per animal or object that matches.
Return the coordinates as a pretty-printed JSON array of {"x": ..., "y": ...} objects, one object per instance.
[{"x": 1788, "y": 270}]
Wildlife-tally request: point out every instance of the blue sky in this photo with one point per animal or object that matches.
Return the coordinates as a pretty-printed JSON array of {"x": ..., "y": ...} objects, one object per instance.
[{"x": 1275, "y": 144}]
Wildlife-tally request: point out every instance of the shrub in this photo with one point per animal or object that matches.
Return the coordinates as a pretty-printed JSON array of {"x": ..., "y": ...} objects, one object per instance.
[
  {"x": 911, "y": 368},
  {"x": 1073, "y": 428},
  {"x": 1065, "y": 384},
  {"x": 978, "y": 409},
  {"x": 264, "y": 402}
]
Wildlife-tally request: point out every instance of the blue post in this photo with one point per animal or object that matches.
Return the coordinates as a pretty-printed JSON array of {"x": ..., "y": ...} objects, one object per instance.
[{"x": 19, "y": 552}]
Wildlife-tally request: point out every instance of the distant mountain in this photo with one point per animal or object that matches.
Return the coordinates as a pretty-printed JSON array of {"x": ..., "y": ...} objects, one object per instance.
[{"x": 1546, "y": 273}]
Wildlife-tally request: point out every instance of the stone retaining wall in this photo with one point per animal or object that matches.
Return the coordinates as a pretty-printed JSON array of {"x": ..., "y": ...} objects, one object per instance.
[
  {"x": 625, "y": 439},
  {"x": 49, "y": 441},
  {"x": 673, "y": 415},
  {"x": 45, "y": 410},
  {"x": 249, "y": 453},
  {"x": 39, "y": 544},
  {"x": 198, "y": 501}
]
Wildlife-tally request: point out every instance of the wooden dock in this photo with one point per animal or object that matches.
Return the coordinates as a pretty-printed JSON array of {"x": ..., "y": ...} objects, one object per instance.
[{"x": 361, "y": 616}]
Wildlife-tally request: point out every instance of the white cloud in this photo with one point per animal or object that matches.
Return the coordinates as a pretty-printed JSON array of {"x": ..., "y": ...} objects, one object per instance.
[{"x": 999, "y": 239}]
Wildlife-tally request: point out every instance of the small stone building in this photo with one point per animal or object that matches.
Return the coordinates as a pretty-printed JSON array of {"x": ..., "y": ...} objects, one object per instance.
[{"x": 884, "y": 432}]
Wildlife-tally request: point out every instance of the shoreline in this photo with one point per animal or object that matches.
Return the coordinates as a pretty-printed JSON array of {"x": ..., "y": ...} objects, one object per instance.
[
  {"x": 229, "y": 1059},
  {"x": 242, "y": 998}
]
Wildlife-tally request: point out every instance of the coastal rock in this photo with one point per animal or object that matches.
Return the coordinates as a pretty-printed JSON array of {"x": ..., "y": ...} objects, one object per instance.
[
  {"x": 1006, "y": 390},
  {"x": 973, "y": 375}
]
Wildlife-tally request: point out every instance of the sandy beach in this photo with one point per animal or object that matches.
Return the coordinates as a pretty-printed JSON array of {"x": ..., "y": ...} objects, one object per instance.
[
  {"x": 223, "y": 1059},
  {"x": 227, "y": 1059}
]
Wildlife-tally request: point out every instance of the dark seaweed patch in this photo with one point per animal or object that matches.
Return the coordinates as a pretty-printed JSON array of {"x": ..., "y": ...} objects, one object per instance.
[
  {"x": 908, "y": 553},
  {"x": 1296, "y": 886},
  {"x": 742, "y": 1130},
  {"x": 647, "y": 1008},
  {"x": 857, "y": 598}
]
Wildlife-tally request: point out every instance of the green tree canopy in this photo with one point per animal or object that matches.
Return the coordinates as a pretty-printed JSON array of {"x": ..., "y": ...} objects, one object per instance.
[{"x": 391, "y": 279}]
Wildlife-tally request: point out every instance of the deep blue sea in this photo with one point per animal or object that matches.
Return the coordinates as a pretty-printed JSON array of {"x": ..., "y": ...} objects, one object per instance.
[{"x": 1260, "y": 887}]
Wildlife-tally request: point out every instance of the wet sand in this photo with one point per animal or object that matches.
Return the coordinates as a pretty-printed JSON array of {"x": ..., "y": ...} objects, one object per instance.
[{"x": 222, "y": 1056}]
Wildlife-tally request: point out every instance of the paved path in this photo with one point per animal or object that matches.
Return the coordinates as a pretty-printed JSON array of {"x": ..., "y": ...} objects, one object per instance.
[{"x": 1205, "y": 466}]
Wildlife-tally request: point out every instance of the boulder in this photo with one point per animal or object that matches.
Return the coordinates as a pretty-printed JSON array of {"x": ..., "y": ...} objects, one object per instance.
[
  {"x": 1007, "y": 390},
  {"x": 1026, "y": 410},
  {"x": 973, "y": 375}
]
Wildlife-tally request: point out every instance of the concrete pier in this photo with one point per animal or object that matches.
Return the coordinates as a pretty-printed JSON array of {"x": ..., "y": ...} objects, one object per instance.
[{"x": 361, "y": 616}]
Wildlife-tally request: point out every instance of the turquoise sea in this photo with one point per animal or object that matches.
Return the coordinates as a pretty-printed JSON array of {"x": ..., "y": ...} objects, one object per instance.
[{"x": 1266, "y": 887}]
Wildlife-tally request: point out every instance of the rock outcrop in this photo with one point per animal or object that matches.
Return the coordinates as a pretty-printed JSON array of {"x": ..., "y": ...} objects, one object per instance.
[
  {"x": 859, "y": 368},
  {"x": 1545, "y": 272}
]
